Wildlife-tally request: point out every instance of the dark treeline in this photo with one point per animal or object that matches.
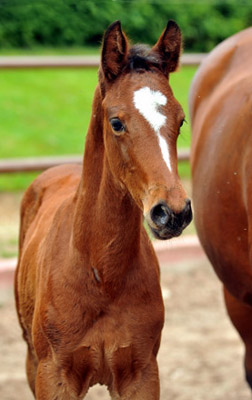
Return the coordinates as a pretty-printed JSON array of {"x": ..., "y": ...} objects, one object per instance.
[{"x": 29, "y": 23}]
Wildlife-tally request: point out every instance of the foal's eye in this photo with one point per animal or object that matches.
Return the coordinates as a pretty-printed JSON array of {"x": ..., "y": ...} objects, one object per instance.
[
  {"x": 181, "y": 123},
  {"x": 117, "y": 125}
]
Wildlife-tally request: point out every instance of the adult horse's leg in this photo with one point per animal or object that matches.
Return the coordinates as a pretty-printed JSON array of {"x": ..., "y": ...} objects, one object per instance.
[{"x": 241, "y": 316}]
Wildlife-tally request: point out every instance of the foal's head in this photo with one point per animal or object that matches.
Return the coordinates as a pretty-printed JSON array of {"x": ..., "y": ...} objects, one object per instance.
[{"x": 141, "y": 125}]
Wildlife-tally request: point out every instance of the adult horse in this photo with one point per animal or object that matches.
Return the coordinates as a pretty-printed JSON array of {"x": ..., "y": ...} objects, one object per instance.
[
  {"x": 221, "y": 114},
  {"x": 87, "y": 284}
]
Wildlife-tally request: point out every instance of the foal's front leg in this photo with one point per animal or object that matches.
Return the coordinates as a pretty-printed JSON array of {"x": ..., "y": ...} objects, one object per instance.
[
  {"x": 146, "y": 387},
  {"x": 53, "y": 383},
  {"x": 49, "y": 385}
]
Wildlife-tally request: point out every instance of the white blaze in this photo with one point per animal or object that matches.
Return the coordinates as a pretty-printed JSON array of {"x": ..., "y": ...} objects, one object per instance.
[{"x": 147, "y": 102}]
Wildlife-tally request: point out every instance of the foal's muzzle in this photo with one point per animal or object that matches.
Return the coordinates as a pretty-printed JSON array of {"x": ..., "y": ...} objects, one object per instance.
[{"x": 165, "y": 223}]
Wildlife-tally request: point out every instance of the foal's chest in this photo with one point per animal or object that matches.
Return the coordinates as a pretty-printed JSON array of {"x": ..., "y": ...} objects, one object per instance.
[{"x": 114, "y": 343}]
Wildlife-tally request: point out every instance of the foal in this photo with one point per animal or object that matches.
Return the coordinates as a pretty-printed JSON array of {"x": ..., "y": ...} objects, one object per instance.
[{"x": 87, "y": 284}]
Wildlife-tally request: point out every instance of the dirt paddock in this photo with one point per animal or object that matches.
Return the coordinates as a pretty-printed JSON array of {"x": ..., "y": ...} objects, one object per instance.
[{"x": 200, "y": 357}]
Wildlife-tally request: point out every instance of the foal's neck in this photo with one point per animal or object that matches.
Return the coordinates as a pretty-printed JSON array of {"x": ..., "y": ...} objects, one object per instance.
[{"x": 107, "y": 222}]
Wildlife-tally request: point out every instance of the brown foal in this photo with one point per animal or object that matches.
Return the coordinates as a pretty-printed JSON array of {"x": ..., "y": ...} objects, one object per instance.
[{"x": 87, "y": 284}]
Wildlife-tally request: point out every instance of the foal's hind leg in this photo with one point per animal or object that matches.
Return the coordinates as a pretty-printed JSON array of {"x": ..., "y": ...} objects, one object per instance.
[{"x": 241, "y": 316}]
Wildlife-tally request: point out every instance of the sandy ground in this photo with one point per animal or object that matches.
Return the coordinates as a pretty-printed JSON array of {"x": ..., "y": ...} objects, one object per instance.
[{"x": 200, "y": 356}]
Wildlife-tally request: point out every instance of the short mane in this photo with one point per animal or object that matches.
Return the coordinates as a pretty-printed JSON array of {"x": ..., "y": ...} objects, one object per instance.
[{"x": 141, "y": 59}]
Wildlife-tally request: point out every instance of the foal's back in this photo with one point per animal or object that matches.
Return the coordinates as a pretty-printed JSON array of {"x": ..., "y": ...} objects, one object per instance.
[{"x": 45, "y": 196}]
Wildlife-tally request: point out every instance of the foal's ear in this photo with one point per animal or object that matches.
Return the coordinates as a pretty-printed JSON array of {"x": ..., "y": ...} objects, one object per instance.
[
  {"x": 168, "y": 47},
  {"x": 114, "y": 51}
]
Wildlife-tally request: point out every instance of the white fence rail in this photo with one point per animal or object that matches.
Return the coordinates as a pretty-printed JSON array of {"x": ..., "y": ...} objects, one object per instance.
[
  {"x": 14, "y": 62},
  {"x": 41, "y": 163}
]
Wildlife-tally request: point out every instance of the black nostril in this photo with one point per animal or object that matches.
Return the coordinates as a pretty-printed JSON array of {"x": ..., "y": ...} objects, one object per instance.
[
  {"x": 160, "y": 214},
  {"x": 164, "y": 218},
  {"x": 188, "y": 204}
]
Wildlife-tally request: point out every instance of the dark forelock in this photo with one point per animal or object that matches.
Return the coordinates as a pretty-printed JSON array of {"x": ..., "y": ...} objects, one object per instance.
[{"x": 141, "y": 58}]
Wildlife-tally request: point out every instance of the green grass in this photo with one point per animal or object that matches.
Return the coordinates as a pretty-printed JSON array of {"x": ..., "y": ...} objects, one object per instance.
[
  {"x": 46, "y": 112},
  {"x": 180, "y": 83}
]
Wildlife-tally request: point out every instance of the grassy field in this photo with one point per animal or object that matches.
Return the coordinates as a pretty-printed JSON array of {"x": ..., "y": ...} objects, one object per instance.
[{"x": 46, "y": 112}]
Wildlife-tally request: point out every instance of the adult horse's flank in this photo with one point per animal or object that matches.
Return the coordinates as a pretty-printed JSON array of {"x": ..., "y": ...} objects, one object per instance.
[
  {"x": 87, "y": 284},
  {"x": 221, "y": 113}
]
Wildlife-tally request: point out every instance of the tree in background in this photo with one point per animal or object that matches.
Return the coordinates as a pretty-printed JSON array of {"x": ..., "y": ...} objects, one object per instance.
[{"x": 29, "y": 23}]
